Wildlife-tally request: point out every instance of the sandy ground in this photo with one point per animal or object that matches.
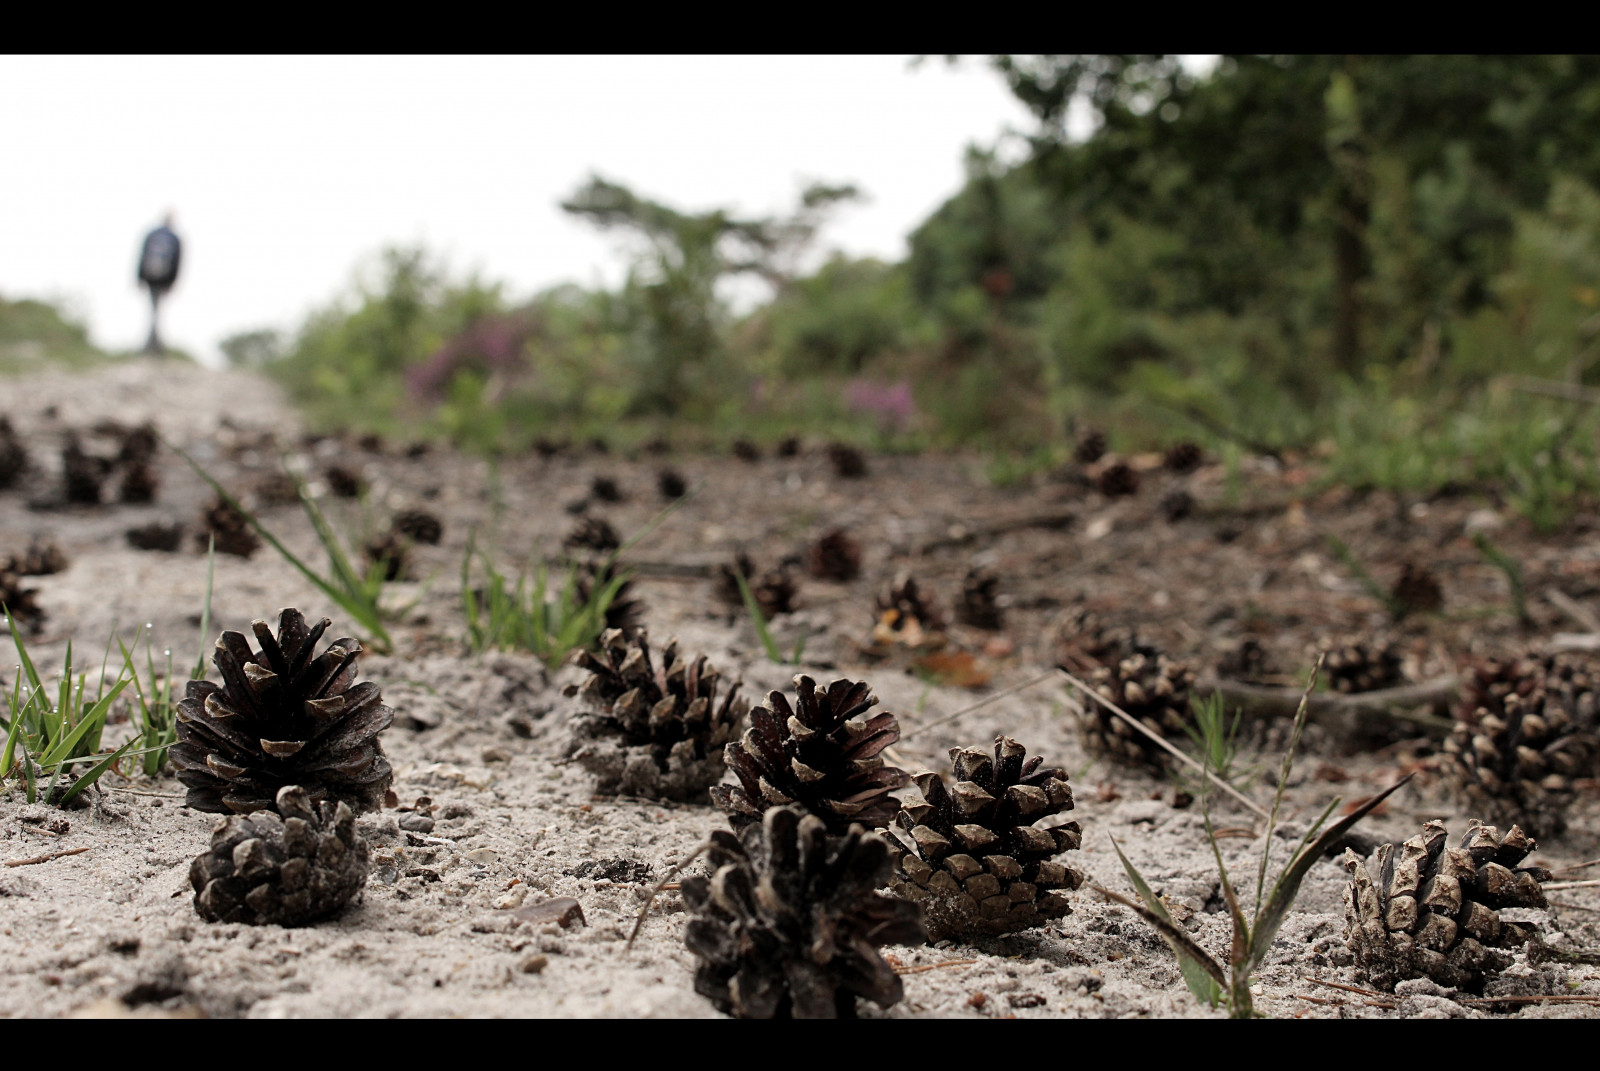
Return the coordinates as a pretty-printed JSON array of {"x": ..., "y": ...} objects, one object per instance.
[{"x": 449, "y": 923}]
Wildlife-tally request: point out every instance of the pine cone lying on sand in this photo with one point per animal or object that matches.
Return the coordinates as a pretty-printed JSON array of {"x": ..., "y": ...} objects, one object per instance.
[
  {"x": 671, "y": 484},
  {"x": 789, "y": 923},
  {"x": 419, "y": 526},
  {"x": 975, "y": 859},
  {"x": 815, "y": 754},
  {"x": 652, "y": 728},
  {"x": 286, "y": 868},
  {"x": 1151, "y": 687},
  {"x": 282, "y": 717},
  {"x": 848, "y": 462},
  {"x": 593, "y": 533},
  {"x": 22, "y": 602},
  {"x": 907, "y": 611},
  {"x": 82, "y": 473},
  {"x": 1117, "y": 480},
  {"x": 13, "y": 455},
  {"x": 836, "y": 556},
  {"x": 155, "y": 536},
  {"x": 980, "y": 603},
  {"x": 773, "y": 589},
  {"x": 1526, "y": 728},
  {"x": 1091, "y": 448},
  {"x": 1416, "y": 591},
  {"x": 1359, "y": 667},
  {"x": 42, "y": 558},
  {"x": 1183, "y": 457},
  {"x": 1429, "y": 910},
  {"x": 233, "y": 534}
]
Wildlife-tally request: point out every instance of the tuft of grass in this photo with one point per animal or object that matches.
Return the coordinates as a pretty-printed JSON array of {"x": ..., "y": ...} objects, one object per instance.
[
  {"x": 46, "y": 740},
  {"x": 763, "y": 628},
  {"x": 155, "y": 711},
  {"x": 1210, "y": 981},
  {"x": 354, "y": 591},
  {"x": 530, "y": 615},
  {"x": 1513, "y": 574},
  {"x": 1215, "y": 738},
  {"x": 1396, "y": 609}
]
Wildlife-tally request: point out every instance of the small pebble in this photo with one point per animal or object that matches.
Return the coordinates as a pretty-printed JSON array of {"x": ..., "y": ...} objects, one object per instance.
[
  {"x": 416, "y": 823},
  {"x": 496, "y": 754},
  {"x": 562, "y": 910},
  {"x": 533, "y": 963},
  {"x": 482, "y": 856},
  {"x": 512, "y": 899}
]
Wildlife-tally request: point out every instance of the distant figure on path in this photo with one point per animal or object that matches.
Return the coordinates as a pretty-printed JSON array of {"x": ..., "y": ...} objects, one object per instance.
[{"x": 158, "y": 270}]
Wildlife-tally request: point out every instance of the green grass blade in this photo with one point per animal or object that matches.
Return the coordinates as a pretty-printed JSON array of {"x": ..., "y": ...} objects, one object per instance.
[
  {"x": 1288, "y": 884},
  {"x": 758, "y": 618},
  {"x": 1283, "y": 775},
  {"x": 92, "y": 775},
  {"x": 199, "y": 671},
  {"x": 63, "y": 749},
  {"x": 1200, "y": 972},
  {"x": 1176, "y": 937}
]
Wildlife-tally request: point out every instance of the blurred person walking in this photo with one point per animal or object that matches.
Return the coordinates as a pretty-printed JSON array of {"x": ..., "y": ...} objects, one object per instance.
[{"x": 158, "y": 270}]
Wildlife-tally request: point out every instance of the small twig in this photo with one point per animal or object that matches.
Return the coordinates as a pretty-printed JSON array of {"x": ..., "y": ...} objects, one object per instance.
[
  {"x": 1572, "y": 608},
  {"x": 1390, "y": 703},
  {"x": 935, "y": 966},
  {"x": 1574, "y": 641},
  {"x": 1352, "y": 989},
  {"x": 45, "y": 858},
  {"x": 980, "y": 704},
  {"x": 1161, "y": 742},
  {"x": 43, "y": 832},
  {"x": 1553, "y": 998},
  {"x": 1573, "y": 907},
  {"x": 1579, "y": 866},
  {"x": 1558, "y": 885},
  {"x": 157, "y": 795},
  {"x": 657, "y": 891}
]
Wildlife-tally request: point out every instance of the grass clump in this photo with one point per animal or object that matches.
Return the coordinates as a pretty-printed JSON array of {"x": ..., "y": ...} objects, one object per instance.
[
  {"x": 1213, "y": 982},
  {"x": 769, "y": 643},
  {"x": 530, "y": 614},
  {"x": 46, "y": 740}
]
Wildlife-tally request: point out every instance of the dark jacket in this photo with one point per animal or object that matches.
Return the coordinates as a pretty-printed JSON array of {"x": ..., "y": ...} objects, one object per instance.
[{"x": 158, "y": 261}]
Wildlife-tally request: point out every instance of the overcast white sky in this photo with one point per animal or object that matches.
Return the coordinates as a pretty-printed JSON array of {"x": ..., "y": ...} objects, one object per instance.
[{"x": 285, "y": 173}]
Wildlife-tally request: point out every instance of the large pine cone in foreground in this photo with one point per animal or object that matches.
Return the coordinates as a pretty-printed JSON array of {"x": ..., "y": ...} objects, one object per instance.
[
  {"x": 1151, "y": 687},
  {"x": 976, "y": 860},
  {"x": 1432, "y": 910},
  {"x": 815, "y": 755},
  {"x": 1526, "y": 728},
  {"x": 282, "y": 717},
  {"x": 287, "y": 870},
  {"x": 789, "y": 922},
  {"x": 654, "y": 730}
]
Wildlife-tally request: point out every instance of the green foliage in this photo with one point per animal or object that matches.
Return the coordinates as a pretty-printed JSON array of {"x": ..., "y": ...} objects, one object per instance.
[
  {"x": 530, "y": 615},
  {"x": 45, "y": 740},
  {"x": 34, "y": 333},
  {"x": 1211, "y": 981},
  {"x": 1215, "y": 738},
  {"x": 1512, "y": 570},
  {"x": 155, "y": 715}
]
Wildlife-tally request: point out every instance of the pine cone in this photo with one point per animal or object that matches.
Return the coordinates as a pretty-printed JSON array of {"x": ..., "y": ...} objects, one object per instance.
[
  {"x": 1357, "y": 667},
  {"x": 745, "y": 450},
  {"x": 976, "y": 860},
  {"x": 1526, "y": 728},
  {"x": 789, "y": 922},
  {"x": 13, "y": 455},
  {"x": 980, "y": 606},
  {"x": 773, "y": 589},
  {"x": 1428, "y": 910},
  {"x": 593, "y": 533},
  {"x": 836, "y": 556},
  {"x": 419, "y": 526},
  {"x": 227, "y": 526},
  {"x": 22, "y": 602},
  {"x": 789, "y": 446},
  {"x": 393, "y": 552},
  {"x": 909, "y": 601},
  {"x": 1119, "y": 479},
  {"x": 813, "y": 754},
  {"x": 1249, "y": 661},
  {"x": 282, "y": 717},
  {"x": 82, "y": 472},
  {"x": 671, "y": 484},
  {"x": 278, "y": 489},
  {"x": 264, "y": 869},
  {"x": 848, "y": 462},
  {"x": 605, "y": 489},
  {"x": 652, "y": 731},
  {"x": 344, "y": 482},
  {"x": 1183, "y": 458},
  {"x": 139, "y": 482},
  {"x": 40, "y": 559},
  {"x": 1090, "y": 448},
  {"x": 138, "y": 445},
  {"x": 1083, "y": 641},
  {"x": 1416, "y": 591},
  {"x": 1155, "y": 691},
  {"x": 155, "y": 536},
  {"x": 1177, "y": 505}
]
